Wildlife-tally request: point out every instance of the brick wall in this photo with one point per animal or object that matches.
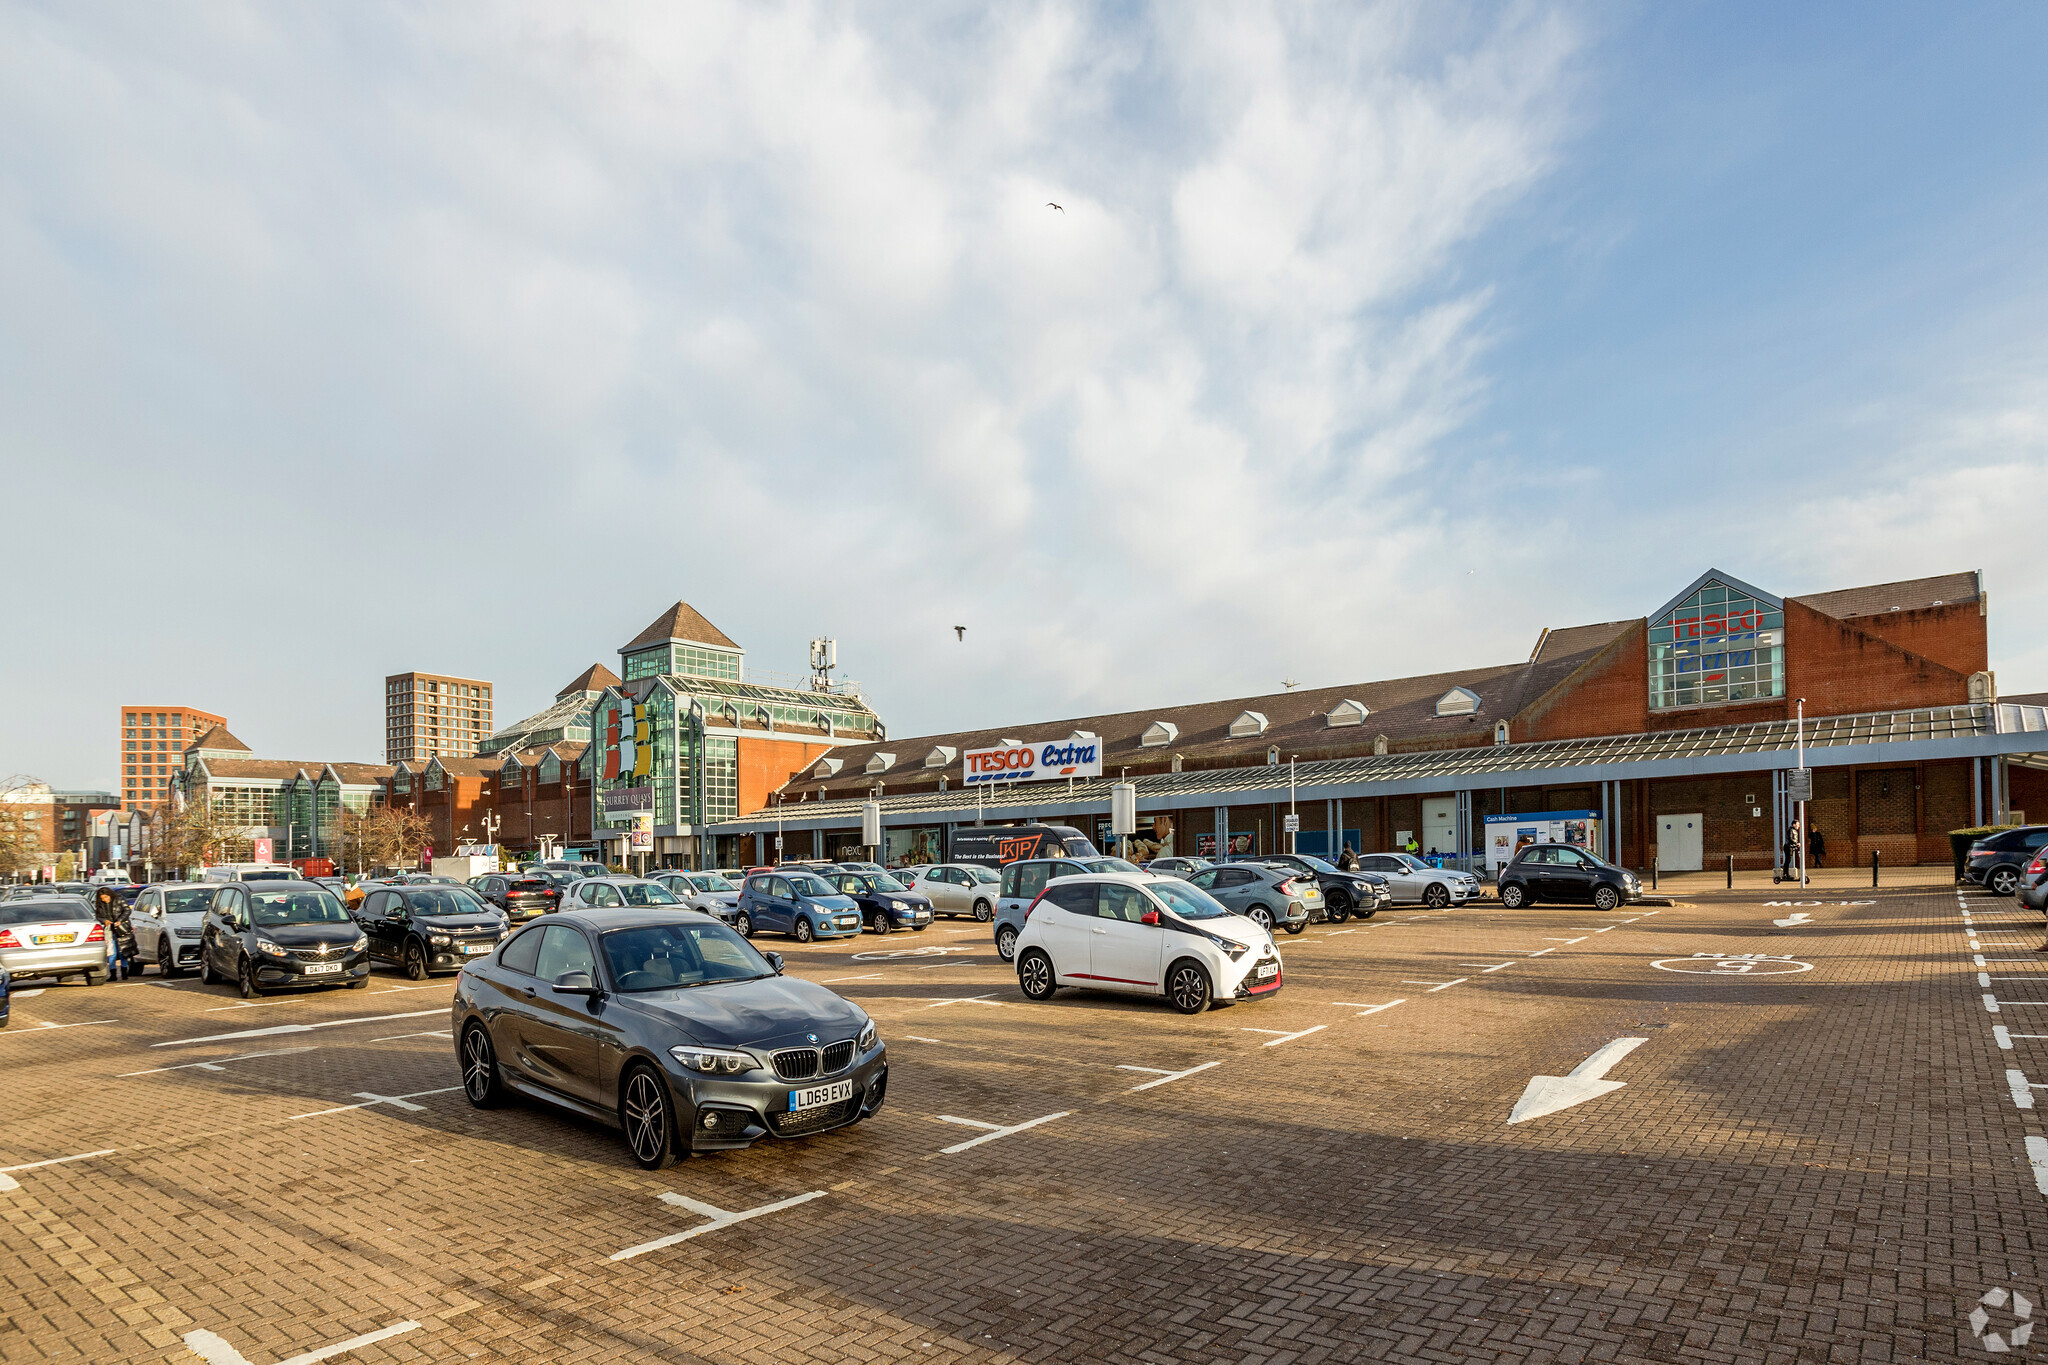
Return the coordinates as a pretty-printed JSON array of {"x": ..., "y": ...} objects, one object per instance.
[
  {"x": 1610, "y": 695},
  {"x": 2029, "y": 793},
  {"x": 1842, "y": 670},
  {"x": 1954, "y": 637}
]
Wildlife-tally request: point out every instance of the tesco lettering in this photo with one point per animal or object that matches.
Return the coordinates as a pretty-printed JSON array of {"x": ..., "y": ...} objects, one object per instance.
[{"x": 1034, "y": 762}]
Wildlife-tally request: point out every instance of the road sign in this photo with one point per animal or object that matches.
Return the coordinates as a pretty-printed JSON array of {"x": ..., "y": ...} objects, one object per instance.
[
  {"x": 1292, "y": 824},
  {"x": 1799, "y": 784}
]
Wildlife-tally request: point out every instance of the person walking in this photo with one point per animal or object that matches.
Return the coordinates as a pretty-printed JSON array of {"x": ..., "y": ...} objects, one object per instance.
[
  {"x": 1347, "y": 861},
  {"x": 1816, "y": 847},
  {"x": 1794, "y": 836},
  {"x": 111, "y": 910},
  {"x": 1411, "y": 848}
]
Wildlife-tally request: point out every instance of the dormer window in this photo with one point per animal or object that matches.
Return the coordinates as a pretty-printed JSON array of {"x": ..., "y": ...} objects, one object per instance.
[
  {"x": 828, "y": 767},
  {"x": 1346, "y": 712},
  {"x": 940, "y": 756},
  {"x": 1248, "y": 725},
  {"x": 1159, "y": 734},
  {"x": 1459, "y": 701},
  {"x": 880, "y": 763}
]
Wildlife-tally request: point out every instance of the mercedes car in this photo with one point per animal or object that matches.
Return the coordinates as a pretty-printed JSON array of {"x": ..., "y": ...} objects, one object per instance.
[{"x": 667, "y": 1025}]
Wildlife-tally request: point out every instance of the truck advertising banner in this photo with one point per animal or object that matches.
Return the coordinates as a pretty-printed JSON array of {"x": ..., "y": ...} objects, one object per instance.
[
  {"x": 1507, "y": 835},
  {"x": 1034, "y": 762}
]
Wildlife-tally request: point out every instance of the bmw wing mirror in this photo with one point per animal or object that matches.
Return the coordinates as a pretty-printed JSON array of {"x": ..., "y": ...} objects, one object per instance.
[
  {"x": 573, "y": 983},
  {"x": 775, "y": 961}
]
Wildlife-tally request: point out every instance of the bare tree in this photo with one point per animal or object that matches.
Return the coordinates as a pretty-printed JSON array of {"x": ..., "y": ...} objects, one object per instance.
[
  {"x": 195, "y": 836},
  {"x": 23, "y": 834}
]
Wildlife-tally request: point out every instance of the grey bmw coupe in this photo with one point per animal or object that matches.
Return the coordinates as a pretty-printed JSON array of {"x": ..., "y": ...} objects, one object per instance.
[{"x": 668, "y": 1025}]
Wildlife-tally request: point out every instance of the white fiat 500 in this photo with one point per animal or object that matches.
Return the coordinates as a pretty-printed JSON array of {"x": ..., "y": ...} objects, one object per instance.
[{"x": 1147, "y": 935}]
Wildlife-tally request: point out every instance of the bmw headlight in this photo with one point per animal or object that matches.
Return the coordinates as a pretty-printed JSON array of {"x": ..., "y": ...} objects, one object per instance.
[
  {"x": 361, "y": 944},
  {"x": 714, "y": 1061},
  {"x": 264, "y": 945},
  {"x": 867, "y": 1038}
]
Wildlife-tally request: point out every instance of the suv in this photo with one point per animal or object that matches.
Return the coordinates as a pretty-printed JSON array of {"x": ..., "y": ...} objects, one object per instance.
[
  {"x": 428, "y": 929},
  {"x": 166, "y": 922},
  {"x": 1344, "y": 893},
  {"x": 1996, "y": 861},
  {"x": 521, "y": 897},
  {"x": 1021, "y": 883},
  {"x": 1565, "y": 872},
  {"x": 268, "y": 936}
]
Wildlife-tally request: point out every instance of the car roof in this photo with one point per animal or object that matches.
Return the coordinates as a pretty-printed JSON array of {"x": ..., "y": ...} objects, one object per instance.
[
  {"x": 607, "y": 917},
  {"x": 1126, "y": 878}
]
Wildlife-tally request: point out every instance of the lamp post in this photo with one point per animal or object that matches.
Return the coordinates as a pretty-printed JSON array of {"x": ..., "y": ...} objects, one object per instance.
[
  {"x": 1293, "y": 815},
  {"x": 1800, "y": 742}
]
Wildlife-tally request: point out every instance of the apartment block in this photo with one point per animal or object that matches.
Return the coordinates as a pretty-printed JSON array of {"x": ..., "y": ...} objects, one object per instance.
[
  {"x": 153, "y": 743},
  {"x": 431, "y": 715}
]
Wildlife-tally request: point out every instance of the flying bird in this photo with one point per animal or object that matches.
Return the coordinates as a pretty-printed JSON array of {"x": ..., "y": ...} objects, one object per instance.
[
  {"x": 960, "y": 634},
  {"x": 1049, "y": 204}
]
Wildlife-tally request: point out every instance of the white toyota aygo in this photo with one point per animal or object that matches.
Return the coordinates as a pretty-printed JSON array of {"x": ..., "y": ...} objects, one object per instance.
[{"x": 1145, "y": 935}]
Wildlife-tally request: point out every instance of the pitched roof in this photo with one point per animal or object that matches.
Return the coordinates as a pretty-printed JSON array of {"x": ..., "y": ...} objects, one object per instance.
[
  {"x": 595, "y": 678},
  {"x": 680, "y": 622},
  {"x": 218, "y": 737},
  {"x": 284, "y": 769},
  {"x": 1912, "y": 594}
]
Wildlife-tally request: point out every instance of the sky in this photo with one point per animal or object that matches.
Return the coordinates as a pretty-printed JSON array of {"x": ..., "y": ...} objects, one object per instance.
[{"x": 1365, "y": 340}]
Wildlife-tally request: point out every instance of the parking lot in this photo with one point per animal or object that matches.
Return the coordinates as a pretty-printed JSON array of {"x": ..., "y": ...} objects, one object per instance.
[{"x": 1823, "y": 1146}]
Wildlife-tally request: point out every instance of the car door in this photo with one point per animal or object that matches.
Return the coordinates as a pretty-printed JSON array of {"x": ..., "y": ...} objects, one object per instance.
[
  {"x": 394, "y": 926},
  {"x": 1124, "y": 951},
  {"x": 1571, "y": 875},
  {"x": 216, "y": 941},
  {"x": 1067, "y": 928},
  {"x": 146, "y": 922},
  {"x": 1234, "y": 887},
  {"x": 557, "y": 1031},
  {"x": 781, "y": 905}
]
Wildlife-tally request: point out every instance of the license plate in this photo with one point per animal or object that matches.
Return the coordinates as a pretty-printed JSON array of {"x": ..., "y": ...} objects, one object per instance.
[
  {"x": 820, "y": 1094},
  {"x": 473, "y": 949},
  {"x": 322, "y": 968},
  {"x": 1268, "y": 970},
  {"x": 53, "y": 938}
]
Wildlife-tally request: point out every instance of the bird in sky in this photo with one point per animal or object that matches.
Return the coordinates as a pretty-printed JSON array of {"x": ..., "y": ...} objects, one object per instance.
[
  {"x": 960, "y": 634},
  {"x": 1049, "y": 204}
]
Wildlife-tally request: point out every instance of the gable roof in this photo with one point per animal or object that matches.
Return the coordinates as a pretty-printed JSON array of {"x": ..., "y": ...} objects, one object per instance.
[
  {"x": 595, "y": 678},
  {"x": 217, "y": 737},
  {"x": 1726, "y": 580},
  {"x": 1912, "y": 594},
  {"x": 680, "y": 622}
]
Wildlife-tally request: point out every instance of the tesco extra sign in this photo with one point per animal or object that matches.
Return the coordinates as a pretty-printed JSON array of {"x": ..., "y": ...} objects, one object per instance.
[{"x": 1035, "y": 762}]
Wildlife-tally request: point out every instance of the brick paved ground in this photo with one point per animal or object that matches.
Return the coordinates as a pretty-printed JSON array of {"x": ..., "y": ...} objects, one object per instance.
[{"x": 1824, "y": 1165}]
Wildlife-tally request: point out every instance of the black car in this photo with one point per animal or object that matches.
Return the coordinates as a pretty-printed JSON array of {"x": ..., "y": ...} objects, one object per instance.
[
  {"x": 884, "y": 902},
  {"x": 577, "y": 868},
  {"x": 1996, "y": 861},
  {"x": 520, "y": 895},
  {"x": 428, "y": 929},
  {"x": 267, "y": 936},
  {"x": 1565, "y": 872},
  {"x": 668, "y": 1025},
  {"x": 1344, "y": 893}
]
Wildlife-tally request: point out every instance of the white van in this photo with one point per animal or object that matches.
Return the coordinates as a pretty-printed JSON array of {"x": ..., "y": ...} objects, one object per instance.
[{"x": 250, "y": 872}]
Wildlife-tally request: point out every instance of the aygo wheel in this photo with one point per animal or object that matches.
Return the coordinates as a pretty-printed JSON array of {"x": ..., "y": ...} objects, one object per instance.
[
  {"x": 1035, "y": 976},
  {"x": 1187, "y": 987}
]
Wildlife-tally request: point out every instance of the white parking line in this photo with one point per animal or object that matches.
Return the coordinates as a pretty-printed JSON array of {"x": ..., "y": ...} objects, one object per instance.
[
  {"x": 295, "y": 1028},
  {"x": 30, "y": 994},
  {"x": 1286, "y": 1037},
  {"x": 988, "y": 999},
  {"x": 720, "y": 1218},
  {"x": 1164, "y": 1076},
  {"x": 1435, "y": 986},
  {"x": 215, "y": 1350},
  {"x": 430, "y": 1033},
  {"x": 46, "y": 1025},
  {"x": 915, "y": 1038},
  {"x": 368, "y": 1099},
  {"x": 2005, "y": 1036},
  {"x": 2022, "y": 1089},
  {"x": 8, "y": 1182},
  {"x": 993, "y": 1132},
  {"x": 218, "y": 1065},
  {"x": 1365, "y": 1009},
  {"x": 835, "y": 980},
  {"x": 2037, "y": 1153},
  {"x": 1488, "y": 966},
  {"x": 1580, "y": 939}
]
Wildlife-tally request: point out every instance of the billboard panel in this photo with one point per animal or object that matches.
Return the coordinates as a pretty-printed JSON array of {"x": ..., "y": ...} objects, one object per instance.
[{"x": 1033, "y": 762}]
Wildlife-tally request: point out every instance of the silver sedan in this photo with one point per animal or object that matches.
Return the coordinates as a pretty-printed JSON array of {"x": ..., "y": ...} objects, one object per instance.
[
  {"x": 1414, "y": 882},
  {"x": 52, "y": 936}
]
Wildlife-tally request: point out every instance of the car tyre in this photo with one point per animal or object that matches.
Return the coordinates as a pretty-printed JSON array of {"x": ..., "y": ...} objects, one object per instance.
[
  {"x": 984, "y": 912},
  {"x": 1006, "y": 942},
  {"x": 802, "y": 929},
  {"x": 744, "y": 922},
  {"x": 207, "y": 975},
  {"x": 247, "y": 979},
  {"x": 415, "y": 962},
  {"x": 166, "y": 959},
  {"x": 1262, "y": 917},
  {"x": 1035, "y": 976},
  {"x": 1605, "y": 898},
  {"x": 1514, "y": 896},
  {"x": 1436, "y": 896},
  {"x": 648, "y": 1119},
  {"x": 1187, "y": 986},
  {"x": 481, "y": 1084},
  {"x": 1337, "y": 907},
  {"x": 1296, "y": 926},
  {"x": 879, "y": 922},
  {"x": 94, "y": 978},
  {"x": 2003, "y": 882}
]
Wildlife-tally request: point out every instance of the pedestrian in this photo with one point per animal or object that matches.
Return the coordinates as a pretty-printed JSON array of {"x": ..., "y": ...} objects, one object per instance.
[
  {"x": 1347, "y": 861},
  {"x": 112, "y": 911},
  {"x": 1411, "y": 848},
  {"x": 1816, "y": 847},
  {"x": 1793, "y": 838}
]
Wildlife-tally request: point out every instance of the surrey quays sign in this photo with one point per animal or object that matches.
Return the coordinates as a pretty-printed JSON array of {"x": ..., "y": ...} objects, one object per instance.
[{"x": 1035, "y": 762}]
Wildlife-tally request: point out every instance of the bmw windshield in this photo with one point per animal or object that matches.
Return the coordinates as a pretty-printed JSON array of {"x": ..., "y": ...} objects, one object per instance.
[
  {"x": 665, "y": 957},
  {"x": 1189, "y": 902}
]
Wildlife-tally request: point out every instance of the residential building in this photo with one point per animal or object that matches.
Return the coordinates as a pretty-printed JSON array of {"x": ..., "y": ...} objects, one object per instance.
[
  {"x": 296, "y": 805},
  {"x": 431, "y": 713},
  {"x": 74, "y": 814},
  {"x": 27, "y": 811},
  {"x": 1671, "y": 730},
  {"x": 153, "y": 740}
]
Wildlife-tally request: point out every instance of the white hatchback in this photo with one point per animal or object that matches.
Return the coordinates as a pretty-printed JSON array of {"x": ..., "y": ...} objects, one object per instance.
[{"x": 1145, "y": 935}]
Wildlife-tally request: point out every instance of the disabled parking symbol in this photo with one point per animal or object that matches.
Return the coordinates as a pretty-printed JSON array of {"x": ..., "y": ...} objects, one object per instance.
[{"x": 1733, "y": 964}]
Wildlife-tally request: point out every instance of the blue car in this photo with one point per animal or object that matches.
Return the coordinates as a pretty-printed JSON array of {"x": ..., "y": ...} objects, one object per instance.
[
  {"x": 884, "y": 902},
  {"x": 800, "y": 904}
]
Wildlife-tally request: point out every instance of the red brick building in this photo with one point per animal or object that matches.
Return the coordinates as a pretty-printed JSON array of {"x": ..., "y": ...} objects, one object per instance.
[{"x": 1673, "y": 727}]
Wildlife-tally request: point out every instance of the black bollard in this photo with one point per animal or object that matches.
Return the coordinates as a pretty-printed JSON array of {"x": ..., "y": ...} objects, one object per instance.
[
  {"x": 1875, "y": 855},
  {"x": 1653, "y": 874},
  {"x": 1731, "y": 872}
]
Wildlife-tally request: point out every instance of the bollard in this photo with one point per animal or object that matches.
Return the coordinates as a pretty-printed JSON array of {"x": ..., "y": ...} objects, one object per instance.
[
  {"x": 1731, "y": 872},
  {"x": 1653, "y": 874},
  {"x": 1874, "y": 854}
]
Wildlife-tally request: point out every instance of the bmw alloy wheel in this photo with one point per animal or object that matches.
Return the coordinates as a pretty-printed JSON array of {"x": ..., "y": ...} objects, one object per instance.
[
  {"x": 479, "y": 1068},
  {"x": 643, "y": 1113},
  {"x": 1187, "y": 987}
]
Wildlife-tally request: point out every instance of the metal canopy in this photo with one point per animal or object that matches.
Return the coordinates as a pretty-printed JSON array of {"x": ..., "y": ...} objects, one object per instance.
[{"x": 1943, "y": 732}]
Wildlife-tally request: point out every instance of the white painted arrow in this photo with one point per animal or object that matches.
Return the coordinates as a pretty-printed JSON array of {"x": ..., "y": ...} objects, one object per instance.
[
  {"x": 1548, "y": 1094},
  {"x": 1801, "y": 918}
]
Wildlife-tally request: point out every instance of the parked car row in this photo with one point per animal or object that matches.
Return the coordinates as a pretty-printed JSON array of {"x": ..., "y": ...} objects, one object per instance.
[{"x": 2001, "y": 862}]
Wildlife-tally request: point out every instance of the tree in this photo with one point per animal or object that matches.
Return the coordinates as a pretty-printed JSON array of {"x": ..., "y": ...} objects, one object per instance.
[
  {"x": 24, "y": 807},
  {"x": 383, "y": 835},
  {"x": 195, "y": 836}
]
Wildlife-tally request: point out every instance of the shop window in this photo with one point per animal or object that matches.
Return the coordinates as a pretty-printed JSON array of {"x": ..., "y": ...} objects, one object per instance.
[{"x": 1720, "y": 643}]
